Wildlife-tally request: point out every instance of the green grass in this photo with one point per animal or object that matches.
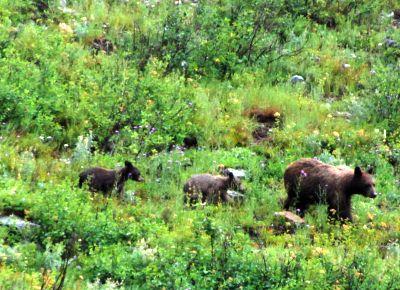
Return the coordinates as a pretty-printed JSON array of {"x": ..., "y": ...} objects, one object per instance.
[{"x": 64, "y": 107}]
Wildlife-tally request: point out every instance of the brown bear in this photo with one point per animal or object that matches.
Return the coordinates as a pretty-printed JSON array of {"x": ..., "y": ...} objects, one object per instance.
[
  {"x": 210, "y": 188},
  {"x": 309, "y": 181},
  {"x": 105, "y": 180}
]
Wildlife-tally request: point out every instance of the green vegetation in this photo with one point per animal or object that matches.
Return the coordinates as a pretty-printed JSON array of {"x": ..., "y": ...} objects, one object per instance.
[{"x": 100, "y": 82}]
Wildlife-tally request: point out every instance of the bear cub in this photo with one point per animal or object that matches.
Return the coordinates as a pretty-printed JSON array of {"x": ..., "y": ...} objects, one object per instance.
[
  {"x": 210, "y": 189},
  {"x": 310, "y": 181},
  {"x": 105, "y": 180}
]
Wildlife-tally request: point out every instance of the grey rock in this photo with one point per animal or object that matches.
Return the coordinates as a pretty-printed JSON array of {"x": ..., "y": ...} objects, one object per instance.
[
  {"x": 238, "y": 173},
  {"x": 235, "y": 197},
  {"x": 63, "y": 3},
  {"x": 345, "y": 115},
  {"x": 17, "y": 222},
  {"x": 390, "y": 42},
  {"x": 290, "y": 217},
  {"x": 296, "y": 79}
]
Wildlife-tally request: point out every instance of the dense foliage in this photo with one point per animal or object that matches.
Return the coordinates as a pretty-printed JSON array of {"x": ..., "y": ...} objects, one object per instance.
[{"x": 100, "y": 82}]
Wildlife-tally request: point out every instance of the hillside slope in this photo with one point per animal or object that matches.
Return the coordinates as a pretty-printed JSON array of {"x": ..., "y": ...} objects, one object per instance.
[{"x": 258, "y": 84}]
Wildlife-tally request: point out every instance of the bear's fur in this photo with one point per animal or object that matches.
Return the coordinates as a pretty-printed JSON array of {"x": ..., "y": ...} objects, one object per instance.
[
  {"x": 210, "y": 188},
  {"x": 310, "y": 181},
  {"x": 267, "y": 118},
  {"x": 105, "y": 180}
]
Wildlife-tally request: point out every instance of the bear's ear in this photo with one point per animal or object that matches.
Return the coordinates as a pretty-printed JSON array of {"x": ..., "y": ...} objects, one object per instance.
[
  {"x": 370, "y": 170},
  {"x": 357, "y": 171},
  {"x": 128, "y": 164},
  {"x": 230, "y": 174}
]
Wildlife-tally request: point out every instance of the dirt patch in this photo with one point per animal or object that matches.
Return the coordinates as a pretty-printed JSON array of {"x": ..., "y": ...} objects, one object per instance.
[
  {"x": 396, "y": 14},
  {"x": 190, "y": 142},
  {"x": 19, "y": 212},
  {"x": 267, "y": 119},
  {"x": 266, "y": 115},
  {"x": 102, "y": 44},
  {"x": 328, "y": 21}
]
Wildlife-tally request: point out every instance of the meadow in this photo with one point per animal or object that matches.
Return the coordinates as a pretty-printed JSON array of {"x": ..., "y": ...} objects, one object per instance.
[{"x": 95, "y": 83}]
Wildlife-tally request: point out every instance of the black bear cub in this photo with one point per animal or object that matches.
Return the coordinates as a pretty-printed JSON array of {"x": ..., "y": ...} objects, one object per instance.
[
  {"x": 105, "y": 180},
  {"x": 310, "y": 181}
]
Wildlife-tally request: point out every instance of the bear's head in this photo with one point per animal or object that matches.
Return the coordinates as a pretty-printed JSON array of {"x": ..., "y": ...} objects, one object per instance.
[
  {"x": 132, "y": 172},
  {"x": 363, "y": 183},
  {"x": 234, "y": 182}
]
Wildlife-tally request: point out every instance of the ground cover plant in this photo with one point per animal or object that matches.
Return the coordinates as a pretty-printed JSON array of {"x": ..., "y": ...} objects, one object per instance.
[{"x": 258, "y": 84}]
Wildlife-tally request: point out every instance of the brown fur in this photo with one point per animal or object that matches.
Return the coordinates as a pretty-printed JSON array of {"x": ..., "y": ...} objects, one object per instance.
[
  {"x": 309, "y": 181},
  {"x": 105, "y": 180},
  {"x": 267, "y": 115},
  {"x": 267, "y": 118},
  {"x": 210, "y": 188}
]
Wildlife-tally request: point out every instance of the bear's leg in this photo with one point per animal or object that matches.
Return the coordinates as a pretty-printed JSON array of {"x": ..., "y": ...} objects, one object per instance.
[
  {"x": 224, "y": 196},
  {"x": 194, "y": 198},
  {"x": 187, "y": 199},
  {"x": 204, "y": 197},
  {"x": 342, "y": 212},
  {"x": 288, "y": 202},
  {"x": 290, "y": 199},
  {"x": 81, "y": 180},
  {"x": 332, "y": 213},
  {"x": 121, "y": 191},
  {"x": 345, "y": 214}
]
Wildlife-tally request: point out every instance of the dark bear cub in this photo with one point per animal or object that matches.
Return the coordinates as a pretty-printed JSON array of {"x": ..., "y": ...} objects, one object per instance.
[
  {"x": 105, "y": 180},
  {"x": 210, "y": 188},
  {"x": 310, "y": 181}
]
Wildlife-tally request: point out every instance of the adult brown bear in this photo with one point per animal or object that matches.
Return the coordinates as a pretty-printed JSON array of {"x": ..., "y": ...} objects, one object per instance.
[
  {"x": 105, "y": 180},
  {"x": 310, "y": 181}
]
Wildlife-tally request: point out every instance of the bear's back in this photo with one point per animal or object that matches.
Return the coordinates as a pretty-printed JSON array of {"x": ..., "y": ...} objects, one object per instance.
[
  {"x": 99, "y": 178},
  {"x": 204, "y": 182},
  {"x": 311, "y": 176}
]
